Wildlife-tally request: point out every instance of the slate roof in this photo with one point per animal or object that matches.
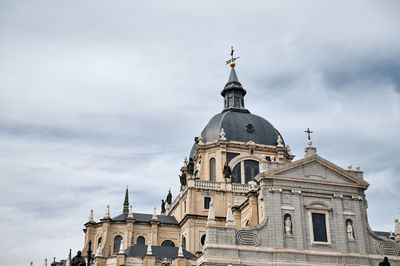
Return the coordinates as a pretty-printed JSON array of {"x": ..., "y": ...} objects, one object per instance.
[
  {"x": 381, "y": 233},
  {"x": 234, "y": 124},
  {"x": 158, "y": 251},
  {"x": 143, "y": 217}
]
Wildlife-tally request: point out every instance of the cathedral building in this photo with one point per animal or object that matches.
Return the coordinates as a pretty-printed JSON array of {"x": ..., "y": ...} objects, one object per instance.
[{"x": 244, "y": 200}]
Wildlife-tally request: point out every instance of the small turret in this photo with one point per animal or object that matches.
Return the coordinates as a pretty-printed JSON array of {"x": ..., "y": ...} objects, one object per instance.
[{"x": 233, "y": 91}]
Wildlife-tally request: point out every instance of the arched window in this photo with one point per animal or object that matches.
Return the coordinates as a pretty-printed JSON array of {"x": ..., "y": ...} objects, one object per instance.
[
  {"x": 251, "y": 169},
  {"x": 236, "y": 174},
  {"x": 117, "y": 243},
  {"x": 183, "y": 242},
  {"x": 167, "y": 243},
  {"x": 140, "y": 241},
  {"x": 203, "y": 239},
  {"x": 98, "y": 242},
  {"x": 212, "y": 170}
]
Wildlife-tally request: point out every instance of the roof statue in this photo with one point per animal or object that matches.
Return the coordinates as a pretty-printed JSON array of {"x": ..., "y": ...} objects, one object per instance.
[
  {"x": 169, "y": 197},
  {"x": 78, "y": 260}
]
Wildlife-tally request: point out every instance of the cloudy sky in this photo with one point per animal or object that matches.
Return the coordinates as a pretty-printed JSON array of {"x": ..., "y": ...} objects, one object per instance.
[{"x": 98, "y": 95}]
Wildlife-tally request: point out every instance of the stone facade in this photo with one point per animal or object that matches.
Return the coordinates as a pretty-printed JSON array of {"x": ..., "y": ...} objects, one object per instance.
[{"x": 263, "y": 209}]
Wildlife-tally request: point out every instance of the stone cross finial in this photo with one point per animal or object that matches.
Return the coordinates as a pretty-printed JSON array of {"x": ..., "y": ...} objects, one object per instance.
[
  {"x": 107, "y": 214},
  {"x": 222, "y": 134},
  {"x": 149, "y": 251},
  {"x": 91, "y": 217},
  {"x": 130, "y": 214}
]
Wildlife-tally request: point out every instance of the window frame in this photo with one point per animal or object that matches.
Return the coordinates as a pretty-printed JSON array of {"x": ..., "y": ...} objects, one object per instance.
[
  {"x": 144, "y": 239},
  {"x": 327, "y": 227},
  {"x": 116, "y": 248},
  {"x": 213, "y": 171},
  {"x": 204, "y": 203}
]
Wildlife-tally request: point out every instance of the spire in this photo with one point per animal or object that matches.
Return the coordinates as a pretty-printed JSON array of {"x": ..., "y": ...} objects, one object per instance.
[
  {"x": 107, "y": 214},
  {"x": 126, "y": 202},
  {"x": 233, "y": 77},
  {"x": 211, "y": 215},
  {"x": 229, "y": 217},
  {"x": 233, "y": 91},
  {"x": 121, "y": 247},
  {"x": 180, "y": 251},
  {"x": 91, "y": 217}
]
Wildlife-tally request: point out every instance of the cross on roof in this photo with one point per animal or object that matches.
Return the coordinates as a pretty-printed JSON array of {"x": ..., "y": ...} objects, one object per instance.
[
  {"x": 308, "y": 131},
  {"x": 233, "y": 59}
]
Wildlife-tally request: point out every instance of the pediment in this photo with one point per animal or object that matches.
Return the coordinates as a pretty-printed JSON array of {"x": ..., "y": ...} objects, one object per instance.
[{"x": 316, "y": 168}]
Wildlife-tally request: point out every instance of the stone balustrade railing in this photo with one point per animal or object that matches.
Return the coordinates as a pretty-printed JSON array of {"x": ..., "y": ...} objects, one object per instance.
[
  {"x": 219, "y": 186},
  {"x": 240, "y": 188},
  {"x": 207, "y": 185}
]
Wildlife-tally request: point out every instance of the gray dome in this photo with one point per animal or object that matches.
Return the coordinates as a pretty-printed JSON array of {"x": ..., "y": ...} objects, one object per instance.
[{"x": 239, "y": 126}]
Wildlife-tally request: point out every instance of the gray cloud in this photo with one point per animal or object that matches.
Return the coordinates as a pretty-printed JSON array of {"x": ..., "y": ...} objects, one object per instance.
[{"x": 97, "y": 95}]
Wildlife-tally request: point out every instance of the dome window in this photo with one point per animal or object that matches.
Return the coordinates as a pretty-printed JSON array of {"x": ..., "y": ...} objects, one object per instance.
[{"x": 249, "y": 128}]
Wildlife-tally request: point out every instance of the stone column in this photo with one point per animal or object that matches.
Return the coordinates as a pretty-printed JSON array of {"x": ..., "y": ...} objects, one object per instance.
[
  {"x": 236, "y": 215},
  {"x": 253, "y": 204},
  {"x": 154, "y": 232},
  {"x": 149, "y": 260}
]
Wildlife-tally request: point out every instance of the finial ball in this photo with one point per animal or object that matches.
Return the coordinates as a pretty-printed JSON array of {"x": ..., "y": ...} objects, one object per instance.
[{"x": 232, "y": 64}]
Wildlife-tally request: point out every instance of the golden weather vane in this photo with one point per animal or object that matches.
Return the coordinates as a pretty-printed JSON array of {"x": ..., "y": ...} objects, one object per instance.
[{"x": 231, "y": 61}]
